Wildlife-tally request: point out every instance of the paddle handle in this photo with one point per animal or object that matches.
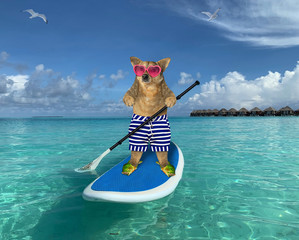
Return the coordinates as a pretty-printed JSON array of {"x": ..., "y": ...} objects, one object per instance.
[
  {"x": 188, "y": 89},
  {"x": 152, "y": 117}
]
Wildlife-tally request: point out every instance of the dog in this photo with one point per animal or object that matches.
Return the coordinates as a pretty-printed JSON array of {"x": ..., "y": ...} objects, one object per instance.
[{"x": 148, "y": 94}]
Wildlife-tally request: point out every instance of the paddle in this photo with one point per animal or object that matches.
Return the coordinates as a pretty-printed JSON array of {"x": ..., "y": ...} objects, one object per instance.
[{"x": 92, "y": 165}]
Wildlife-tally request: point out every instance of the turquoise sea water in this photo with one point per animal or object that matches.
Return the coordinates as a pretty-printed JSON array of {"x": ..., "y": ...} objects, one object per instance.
[{"x": 240, "y": 181}]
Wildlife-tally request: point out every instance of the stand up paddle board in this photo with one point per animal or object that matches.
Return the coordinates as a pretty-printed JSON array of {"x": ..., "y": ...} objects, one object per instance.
[{"x": 148, "y": 182}]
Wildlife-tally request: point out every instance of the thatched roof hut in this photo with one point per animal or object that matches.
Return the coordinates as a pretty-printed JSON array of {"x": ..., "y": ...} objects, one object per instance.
[
  {"x": 256, "y": 112},
  {"x": 289, "y": 110},
  {"x": 199, "y": 112},
  {"x": 286, "y": 111},
  {"x": 243, "y": 112},
  {"x": 204, "y": 112},
  {"x": 270, "y": 111},
  {"x": 232, "y": 112},
  {"x": 223, "y": 112},
  {"x": 215, "y": 112},
  {"x": 195, "y": 113},
  {"x": 209, "y": 112}
]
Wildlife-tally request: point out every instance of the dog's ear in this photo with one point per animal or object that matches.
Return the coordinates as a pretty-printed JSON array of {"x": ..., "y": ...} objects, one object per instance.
[
  {"x": 135, "y": 61},
  {"x": 163, "y": 63}
]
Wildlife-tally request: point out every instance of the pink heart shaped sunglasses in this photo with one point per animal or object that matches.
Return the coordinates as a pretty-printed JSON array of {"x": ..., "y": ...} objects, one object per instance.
[{"x": 153, "y": 71}]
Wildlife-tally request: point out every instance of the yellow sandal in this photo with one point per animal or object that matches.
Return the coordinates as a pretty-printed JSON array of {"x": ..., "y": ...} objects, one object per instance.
[
  {"x": 169, "y": 170},
  {"x": 128, "y": 168}
]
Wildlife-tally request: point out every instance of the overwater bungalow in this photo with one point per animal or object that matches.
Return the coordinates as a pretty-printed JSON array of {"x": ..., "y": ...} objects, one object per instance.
[
  {"x": 256, "y": 112},
  {"x": 270, "y": 111},
  {"x": 209, "y": 112},
  {"x": 203, "y": 113},
  {"x": 195, "y": 113},
  {"x": 286, "y": 111},
  {"x": 223, "y": 112},
  {"x": 215, "y": 112},
  {"x": 232, "y": 112},
  {"x": 243, "y": 112}
]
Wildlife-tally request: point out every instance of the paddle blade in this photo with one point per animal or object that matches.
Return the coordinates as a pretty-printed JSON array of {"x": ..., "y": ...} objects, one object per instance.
[{"x": 93, "y": 165}]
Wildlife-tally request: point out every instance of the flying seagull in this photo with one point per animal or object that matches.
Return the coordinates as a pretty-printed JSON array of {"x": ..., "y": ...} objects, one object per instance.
[
  {"x": 211, "y": 16},
  {"x": 36, "y": 14}
]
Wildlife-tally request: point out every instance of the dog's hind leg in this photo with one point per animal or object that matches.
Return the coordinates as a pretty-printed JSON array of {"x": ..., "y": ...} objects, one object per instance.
[
  {"x": 135, "y": 158},
  {"x": 163, "y": 158}
]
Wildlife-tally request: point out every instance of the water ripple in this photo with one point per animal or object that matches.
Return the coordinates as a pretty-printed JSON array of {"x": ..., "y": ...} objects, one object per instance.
[{"x": 241, "y": 181}]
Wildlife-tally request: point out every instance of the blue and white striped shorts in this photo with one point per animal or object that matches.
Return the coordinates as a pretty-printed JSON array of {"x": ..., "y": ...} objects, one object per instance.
[{"x": 157, "y": 132}]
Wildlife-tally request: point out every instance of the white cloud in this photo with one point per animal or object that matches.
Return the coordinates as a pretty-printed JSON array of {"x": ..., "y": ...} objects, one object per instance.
[
  {"x": 18, "y": 82},
  {"x": 43, "y": 89},
  {"x": 39, "y": 68},
  {"x": 120, "y": 75},
  {"x": 3, "y": 56},
  {"x": 3, "y": 84},
  {"x": 102, "y": 76},
  {"x": 234, "y": 90},
  {"x": 5, "y": 63},
  {"x": 187, "y": 78},
  {"x": 261, "y": 23},
  {"x": 11, "y": 84},
  {"x": 113, "y": 79}
]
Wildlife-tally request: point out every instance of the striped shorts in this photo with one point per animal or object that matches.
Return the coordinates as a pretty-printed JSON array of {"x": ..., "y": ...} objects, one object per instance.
[{"x": 157, "y": 132}]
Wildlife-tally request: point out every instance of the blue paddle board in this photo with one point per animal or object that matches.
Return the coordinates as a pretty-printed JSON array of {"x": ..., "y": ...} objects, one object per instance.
[{"x": 147, "y": 183}]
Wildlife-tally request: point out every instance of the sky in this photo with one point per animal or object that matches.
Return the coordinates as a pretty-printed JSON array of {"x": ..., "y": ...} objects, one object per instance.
[{"x": 78, "y": 65}]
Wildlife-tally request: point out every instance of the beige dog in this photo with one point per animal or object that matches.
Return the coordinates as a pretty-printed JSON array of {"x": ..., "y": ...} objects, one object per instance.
[{"x": 148, "y": 94}]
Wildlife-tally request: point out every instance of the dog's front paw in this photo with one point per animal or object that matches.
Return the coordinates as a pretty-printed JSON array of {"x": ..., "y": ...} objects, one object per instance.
[
  {"x": 128, "y": 100},
  {"x": 170, "y": 101}
]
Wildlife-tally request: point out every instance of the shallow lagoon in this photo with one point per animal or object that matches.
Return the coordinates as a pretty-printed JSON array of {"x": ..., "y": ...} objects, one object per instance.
[{"x": 241, "y": 180}]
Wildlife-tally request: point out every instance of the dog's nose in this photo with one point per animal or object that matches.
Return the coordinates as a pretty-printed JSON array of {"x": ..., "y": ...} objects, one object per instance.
[{"x": 145, "y": 78}]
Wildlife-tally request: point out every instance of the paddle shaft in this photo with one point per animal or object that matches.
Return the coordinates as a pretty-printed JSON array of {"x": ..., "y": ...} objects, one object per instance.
[{"x": 152, "y": 117}]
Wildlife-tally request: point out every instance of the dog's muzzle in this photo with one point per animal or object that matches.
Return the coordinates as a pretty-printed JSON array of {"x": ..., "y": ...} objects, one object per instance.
[{"x": 145, "y": 78}]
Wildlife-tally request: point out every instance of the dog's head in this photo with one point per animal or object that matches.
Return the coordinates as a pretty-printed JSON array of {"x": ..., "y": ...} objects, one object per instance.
[{"x": 148, "y": 71}]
